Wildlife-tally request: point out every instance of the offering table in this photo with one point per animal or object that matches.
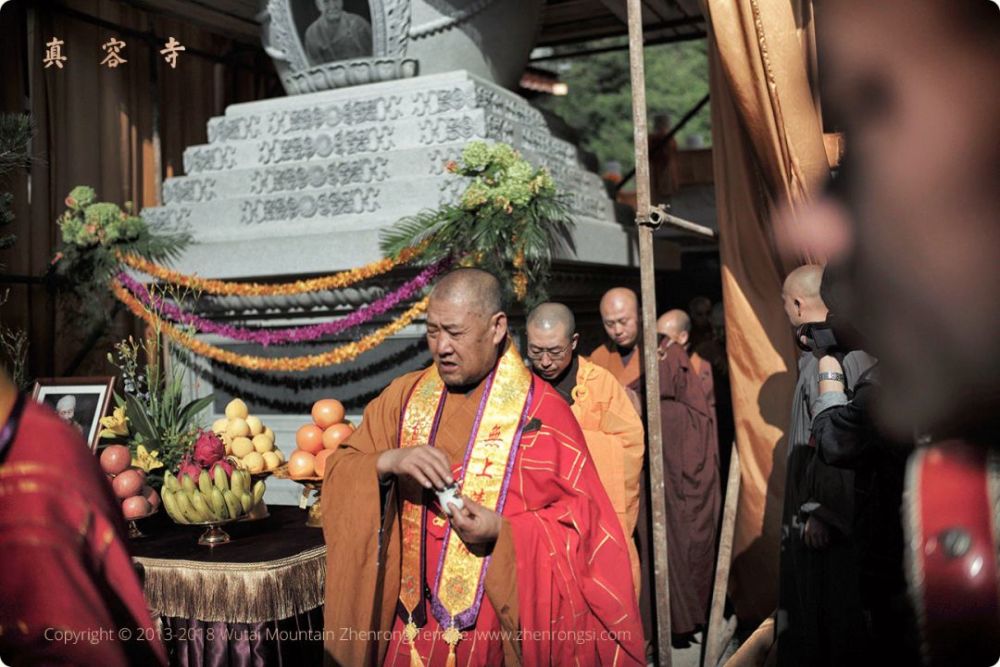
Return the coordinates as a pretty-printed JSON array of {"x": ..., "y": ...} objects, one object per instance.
[{"x": 256, "y": 600}]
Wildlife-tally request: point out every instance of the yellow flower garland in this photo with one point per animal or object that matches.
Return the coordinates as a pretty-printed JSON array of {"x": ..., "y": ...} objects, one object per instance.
[
  {"x": 226, "y": 288},
  {"x": 337, "y": 355}
]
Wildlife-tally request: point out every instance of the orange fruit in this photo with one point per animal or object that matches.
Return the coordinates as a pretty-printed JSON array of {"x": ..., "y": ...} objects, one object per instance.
[
  {"x": 327, "y": 411},
  {"x": 301, "y": 464},
  {"x": 309, "y": 438},
  {"x": 336, "y": 434},
  {"x": 321, "y": 459}
]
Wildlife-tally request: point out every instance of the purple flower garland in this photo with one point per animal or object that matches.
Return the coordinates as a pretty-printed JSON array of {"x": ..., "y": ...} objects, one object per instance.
[{"x": 267, "y": 337}]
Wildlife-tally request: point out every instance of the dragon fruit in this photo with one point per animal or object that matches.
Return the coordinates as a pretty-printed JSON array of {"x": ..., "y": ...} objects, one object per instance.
[
  {"x": 189, "y": 468},
  {"x": 208, "y": 449}
]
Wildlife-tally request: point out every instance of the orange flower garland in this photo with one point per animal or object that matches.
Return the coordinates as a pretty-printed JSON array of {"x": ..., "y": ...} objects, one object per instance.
[
  {"x": 226, "y": 288},
  {"x": 337, "y": 355}
]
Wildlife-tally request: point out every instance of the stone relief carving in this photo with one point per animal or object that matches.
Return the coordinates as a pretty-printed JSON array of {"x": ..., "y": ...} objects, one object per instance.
[
  {"x": 326, "y": 205},
  {"x": 204, "y": 158},
  {"x": 189, "y": 190},
  {"x": 338, "y": 174},
  {"x": 343, "y": 142}
]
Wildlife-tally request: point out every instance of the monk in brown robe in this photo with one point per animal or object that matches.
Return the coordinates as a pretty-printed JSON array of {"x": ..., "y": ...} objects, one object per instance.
[
  {"x": 554, "y": 587},
  {"x": 611, "y": 426},
  {"x": 691, "y": 475},
  {"x": 70, "y": 595}
]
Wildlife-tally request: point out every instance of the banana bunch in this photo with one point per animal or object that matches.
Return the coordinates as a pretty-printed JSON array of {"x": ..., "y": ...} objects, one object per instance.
[{"x": 215, "y": 497}]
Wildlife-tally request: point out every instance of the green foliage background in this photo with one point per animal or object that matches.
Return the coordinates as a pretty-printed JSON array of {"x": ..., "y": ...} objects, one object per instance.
[{"x": 599, "y": 103}]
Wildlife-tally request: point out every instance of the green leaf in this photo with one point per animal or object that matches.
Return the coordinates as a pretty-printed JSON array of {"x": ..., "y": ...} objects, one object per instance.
[
  {"x": 191, "y": 410},
  {"x": 140, "y": 420}
]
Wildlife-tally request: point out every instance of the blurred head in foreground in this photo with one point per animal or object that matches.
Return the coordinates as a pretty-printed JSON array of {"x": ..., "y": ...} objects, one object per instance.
[{"x": 915, "y": 221}]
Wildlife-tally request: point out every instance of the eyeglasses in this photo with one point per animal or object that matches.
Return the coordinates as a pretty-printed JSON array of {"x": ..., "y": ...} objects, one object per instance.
[{"x": 536, "y": 354}]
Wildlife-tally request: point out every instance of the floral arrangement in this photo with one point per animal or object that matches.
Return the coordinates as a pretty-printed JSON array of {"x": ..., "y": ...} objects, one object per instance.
[
  {"x": 159, "y": 428},
  {"x": 509, "y": 221},
  {"x": 94, "y": 235}
]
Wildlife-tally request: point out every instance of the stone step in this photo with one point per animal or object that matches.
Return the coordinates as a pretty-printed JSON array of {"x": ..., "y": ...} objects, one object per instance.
[
  {"x": 435, "y": 93},
  {"x": 365, "y": 170},
  {"x": 400, "y": 135},
  {"x": 326, "y": 112},
  {"x": 388, "y": 201},
  {"x": 330, "y": 247}
]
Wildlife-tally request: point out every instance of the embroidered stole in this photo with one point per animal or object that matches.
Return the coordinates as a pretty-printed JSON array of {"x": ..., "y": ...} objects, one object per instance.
[{"x": 457, "y": 592}]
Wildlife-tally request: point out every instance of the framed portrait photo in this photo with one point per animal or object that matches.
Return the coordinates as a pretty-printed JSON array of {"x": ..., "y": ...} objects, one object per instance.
[{"x": 80, "y": 402}]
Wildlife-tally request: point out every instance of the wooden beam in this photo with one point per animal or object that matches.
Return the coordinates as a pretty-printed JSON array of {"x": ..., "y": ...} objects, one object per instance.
[
  {"x": 650, "y": 361},
  {"x": 716, "y": 636}
]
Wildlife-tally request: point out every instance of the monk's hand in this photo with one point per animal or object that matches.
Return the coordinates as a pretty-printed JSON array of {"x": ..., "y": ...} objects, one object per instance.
[
  {"x": 429, "y": 466},
  {"x": 474, "y": 523},
  {"x": 816, "y": 534}
]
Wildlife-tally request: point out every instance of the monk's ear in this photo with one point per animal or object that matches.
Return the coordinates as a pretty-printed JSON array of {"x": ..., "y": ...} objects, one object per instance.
[
  {"x": 498, "y": 326},
  {"x": 682, "y": 338},
  {"x": 574, "y": 340}
]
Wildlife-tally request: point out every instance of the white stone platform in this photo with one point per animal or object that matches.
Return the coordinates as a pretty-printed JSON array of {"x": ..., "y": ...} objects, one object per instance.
[{"x": 304, "y": 184}]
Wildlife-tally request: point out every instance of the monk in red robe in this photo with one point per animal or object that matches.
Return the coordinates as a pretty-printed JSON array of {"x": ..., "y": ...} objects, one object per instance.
[
  {"x": 528, "y": 566},
  {"x": 691, "y": 472},
  {"x": 70, "y": 593}
]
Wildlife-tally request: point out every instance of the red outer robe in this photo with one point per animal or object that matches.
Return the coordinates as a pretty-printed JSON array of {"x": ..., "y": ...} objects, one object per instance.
[
  {"x": 66, "y": 567},
  {"x": 691, "y": 472},
  {"x": 561, "y": 547}
]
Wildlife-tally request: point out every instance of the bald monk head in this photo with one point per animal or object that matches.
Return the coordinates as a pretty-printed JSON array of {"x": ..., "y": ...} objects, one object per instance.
[
  {"x": 465, "y": 325},
  {"x": 552, "y": 339},
  {"x": 675, "y": 328},
  {"x": 801, "y": 296},
  {"x": 620, "y": 315}
]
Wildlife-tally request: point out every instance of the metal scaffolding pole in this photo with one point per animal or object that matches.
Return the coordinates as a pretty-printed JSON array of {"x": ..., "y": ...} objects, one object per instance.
[{"x": 645, "y": 224}]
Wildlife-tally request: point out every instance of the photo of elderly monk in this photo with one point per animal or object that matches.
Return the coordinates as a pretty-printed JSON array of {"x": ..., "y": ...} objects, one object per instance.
[
  {"x": 80, "y": 402},
  {"x": 338, "y": 34}
]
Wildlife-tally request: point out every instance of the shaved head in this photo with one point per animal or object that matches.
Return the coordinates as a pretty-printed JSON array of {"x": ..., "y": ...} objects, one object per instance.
[
  {"x": 675, "y": 327},
  {"x": 804, "y": 281},
  {"x": 466, "y": 325},
  {"x": 550, "y": 316},
  {"x": 673, "y": 322},
  {"x": 478, "y": 289},
  {"x": 620, "y": 315},
  {"x": 621, "y": 297},
  {"x": 552, "y": 338},
  {"x": 801, "y": 295}
]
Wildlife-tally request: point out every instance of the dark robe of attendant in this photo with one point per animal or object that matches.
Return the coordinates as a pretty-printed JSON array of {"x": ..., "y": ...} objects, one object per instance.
[
  {"x": 821, "y": 620},
  {"x": 69, "y": 594},
  {"x": 691, "y": 475}
]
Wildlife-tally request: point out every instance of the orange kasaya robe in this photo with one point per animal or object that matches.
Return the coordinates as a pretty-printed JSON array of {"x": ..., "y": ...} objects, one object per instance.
[
  {"x": 628, "y": 373},
  {"x": 70, "y": 594},
  {"x": 616, "y": 440},
  {"x": 556, "y": 586}
]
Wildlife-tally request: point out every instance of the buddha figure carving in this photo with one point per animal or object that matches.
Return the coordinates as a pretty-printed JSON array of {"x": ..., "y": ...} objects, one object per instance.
[{"x": 337, "y": 34}]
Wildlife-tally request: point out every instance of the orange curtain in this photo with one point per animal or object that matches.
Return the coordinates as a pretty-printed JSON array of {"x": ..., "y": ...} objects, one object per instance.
[
  {"x": 119, "y": 130},
  {"x": 768, "y": 151}
]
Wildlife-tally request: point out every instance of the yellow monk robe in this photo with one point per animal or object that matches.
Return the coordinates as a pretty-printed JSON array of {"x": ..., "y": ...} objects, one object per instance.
[
  {"x": 628, "y": 371},
  {"x": 616, "y": 440},
  {"x": 556, "y": 499}
]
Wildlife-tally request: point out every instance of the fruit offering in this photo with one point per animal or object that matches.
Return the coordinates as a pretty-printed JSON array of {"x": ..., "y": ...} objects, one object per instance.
[
  {"x": 246, "y": 438},
  {"x": 137, "y": 498},
  {"x": 315, "y": 442},
  {"x": 212, "y": 497}
]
